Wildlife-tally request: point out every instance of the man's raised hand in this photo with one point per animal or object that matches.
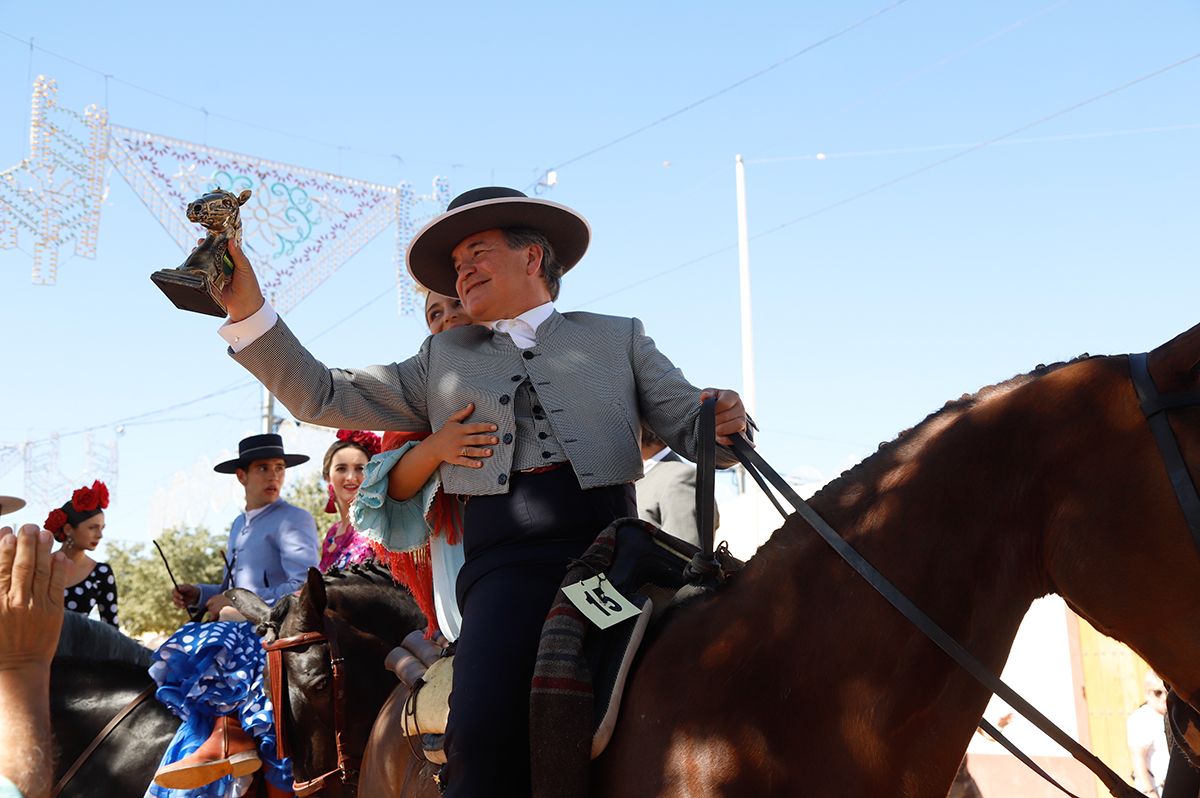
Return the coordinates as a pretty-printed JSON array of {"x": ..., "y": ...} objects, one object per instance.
[
  {"x": 32, "y": 582},
  {"x": 241, "y": 295}
]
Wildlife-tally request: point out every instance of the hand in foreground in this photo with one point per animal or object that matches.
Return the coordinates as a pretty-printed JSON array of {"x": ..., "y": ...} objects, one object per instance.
[
  {"x": 185, "y": 596},
  {"x": 31, "y": 598},
  {"x": 241, "y": 295},
  {"x": 462, "y": 444},
  {"x": 216, "y": 604},
  {"x": 731, "y": 413}
]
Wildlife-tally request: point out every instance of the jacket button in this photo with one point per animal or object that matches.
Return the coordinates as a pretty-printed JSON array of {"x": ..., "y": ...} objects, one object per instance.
[
  {"x": 508, "y": 437},
  {"x": 542, "y": 435},
  {"x": 527, "y": 355},
  {"x": 516, "y": 378},
  {"x": 546, "y": 455},
  {"x": 503, "y": 478},
  {"x": 505, "y": 399}
]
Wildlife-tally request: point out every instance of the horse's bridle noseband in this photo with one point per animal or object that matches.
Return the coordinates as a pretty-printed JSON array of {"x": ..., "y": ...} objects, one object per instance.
[
  {"x": 1154, "y": 407},
  {"x": 347, "y": 764}
]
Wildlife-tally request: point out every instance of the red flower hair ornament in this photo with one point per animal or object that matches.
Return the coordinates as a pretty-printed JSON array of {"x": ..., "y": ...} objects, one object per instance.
[
  {"x": 55, "y": 522},
  {"x": 368, "y": 440},
  {"x": 93, "y": 498}
]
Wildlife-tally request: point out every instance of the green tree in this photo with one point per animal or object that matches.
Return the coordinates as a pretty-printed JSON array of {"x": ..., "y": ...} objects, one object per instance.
[
  {"x": 145, "y": 587},
  {"x": 310, "y": 493}
]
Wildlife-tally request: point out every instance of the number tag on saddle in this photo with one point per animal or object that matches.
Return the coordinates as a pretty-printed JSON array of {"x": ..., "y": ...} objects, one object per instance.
[{"x": 600, "y": 602}]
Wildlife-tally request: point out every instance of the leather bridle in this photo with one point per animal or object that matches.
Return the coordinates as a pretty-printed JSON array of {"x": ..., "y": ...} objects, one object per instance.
[
  {"x": 347, "y": 764},
  {"x": 1155, "y": 406}
]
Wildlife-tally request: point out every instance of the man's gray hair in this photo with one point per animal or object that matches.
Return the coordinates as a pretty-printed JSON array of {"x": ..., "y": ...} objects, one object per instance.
[{"x": 552, "y": 270}]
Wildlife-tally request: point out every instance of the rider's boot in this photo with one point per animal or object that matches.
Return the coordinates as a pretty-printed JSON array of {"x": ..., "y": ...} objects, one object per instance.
[{"x": 228, "y": 751}]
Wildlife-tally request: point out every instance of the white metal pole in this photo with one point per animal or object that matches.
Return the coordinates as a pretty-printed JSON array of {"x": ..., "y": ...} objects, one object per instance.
[
  {"x": 268, "y": 410},
  {"x": 744, "y": 273},
  {"x": 748, "y": 394}
]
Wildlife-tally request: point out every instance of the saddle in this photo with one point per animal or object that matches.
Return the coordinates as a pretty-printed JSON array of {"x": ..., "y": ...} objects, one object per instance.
[
  {"x": 646, "y": 565},
  {"x": 426, "y": 668}
]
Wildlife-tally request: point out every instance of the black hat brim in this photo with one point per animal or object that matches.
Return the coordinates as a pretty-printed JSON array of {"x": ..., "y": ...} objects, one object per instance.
[
  {"x": 429, "y": 252},
  {"x": 231, "y": 466}
]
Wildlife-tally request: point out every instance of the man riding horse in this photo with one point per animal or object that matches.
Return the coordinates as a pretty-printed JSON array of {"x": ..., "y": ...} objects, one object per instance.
[{"x": 568, "y": 392}]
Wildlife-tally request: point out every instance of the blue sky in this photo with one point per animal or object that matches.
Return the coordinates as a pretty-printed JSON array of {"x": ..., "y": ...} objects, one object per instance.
[{"x": 1076, "y": 234}]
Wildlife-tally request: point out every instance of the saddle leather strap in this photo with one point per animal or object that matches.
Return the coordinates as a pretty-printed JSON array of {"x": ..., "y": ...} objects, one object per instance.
[
  {"x": 347, "y": 765},
  {"x": 115, "y": 721},
  {"x": 1154, "y": 406},
  {"x": 752, "y": 460}
]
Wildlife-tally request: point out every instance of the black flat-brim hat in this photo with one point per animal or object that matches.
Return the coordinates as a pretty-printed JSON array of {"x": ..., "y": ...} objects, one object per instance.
[
  {"x": 429, "y": 252},
  {"x": 268, "y": 446}
]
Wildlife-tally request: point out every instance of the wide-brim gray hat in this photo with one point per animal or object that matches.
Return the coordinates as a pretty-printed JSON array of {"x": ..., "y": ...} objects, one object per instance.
[
  {"x": 429, "y": 252},
  {"x": 10, "y": 504},
  {"x": 260, "y": 447}
]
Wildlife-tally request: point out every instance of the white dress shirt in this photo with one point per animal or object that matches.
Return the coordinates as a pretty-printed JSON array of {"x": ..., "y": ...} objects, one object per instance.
[
  {"x": 240, "y": 334},
  {"x": 655, "y": 459},
  {"x": 523, "y": 329}
]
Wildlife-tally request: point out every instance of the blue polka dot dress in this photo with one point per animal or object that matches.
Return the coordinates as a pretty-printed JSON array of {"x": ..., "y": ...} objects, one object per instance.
[
  {"x": 98, "y": 589},
  {"x": 205, "y": 670}
]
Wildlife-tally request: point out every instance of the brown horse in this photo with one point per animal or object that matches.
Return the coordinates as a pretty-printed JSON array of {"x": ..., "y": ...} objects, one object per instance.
[
  {"x": 798, "y": 679},
  {"x": 803, "y": 681},
  {"x": 368, "y": 615}
]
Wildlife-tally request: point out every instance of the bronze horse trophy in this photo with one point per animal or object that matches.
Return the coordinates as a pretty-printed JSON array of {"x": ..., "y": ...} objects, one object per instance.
[{"x": 197, "y": 284}]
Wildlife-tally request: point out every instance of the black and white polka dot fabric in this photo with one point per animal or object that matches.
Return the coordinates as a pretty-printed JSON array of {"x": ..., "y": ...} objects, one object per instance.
[{"x": 98, "y": 589}]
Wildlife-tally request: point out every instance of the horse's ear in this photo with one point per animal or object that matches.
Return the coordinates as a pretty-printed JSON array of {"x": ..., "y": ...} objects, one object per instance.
[
  {"x": 1177, "y": 361},
  {"x": 255, "y": 610},
  {"x": 245, "y": 195},
  {"x": 312, "y": 599}
]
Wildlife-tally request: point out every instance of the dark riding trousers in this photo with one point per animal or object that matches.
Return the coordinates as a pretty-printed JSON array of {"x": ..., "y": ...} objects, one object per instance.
[{"x": 517, "y": 546}]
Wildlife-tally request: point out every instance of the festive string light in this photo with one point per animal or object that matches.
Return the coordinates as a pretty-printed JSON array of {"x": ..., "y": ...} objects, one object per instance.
[
  {"x": 54, "y": 195},
  {"x": 299, "y": 227}
]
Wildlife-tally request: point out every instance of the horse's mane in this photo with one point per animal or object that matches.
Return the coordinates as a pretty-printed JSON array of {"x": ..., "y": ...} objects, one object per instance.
[
  {"x": 373, "y": 594},
  {"x": 84, "y": 638},
  {"x": 915, "y": 437}
]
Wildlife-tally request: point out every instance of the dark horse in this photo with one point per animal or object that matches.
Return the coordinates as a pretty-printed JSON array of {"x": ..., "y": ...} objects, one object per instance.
[
  {"x": 798, "y": 679},
  {"x": 96, "y": 673},
  {"x": 370, "y": 616}
]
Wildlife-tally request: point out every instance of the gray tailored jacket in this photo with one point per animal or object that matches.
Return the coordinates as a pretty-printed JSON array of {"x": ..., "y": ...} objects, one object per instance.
[{"x": 597, "y": 376}]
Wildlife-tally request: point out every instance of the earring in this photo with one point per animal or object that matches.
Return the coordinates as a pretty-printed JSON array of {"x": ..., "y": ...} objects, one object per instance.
[{"x": 331, "y": 505}]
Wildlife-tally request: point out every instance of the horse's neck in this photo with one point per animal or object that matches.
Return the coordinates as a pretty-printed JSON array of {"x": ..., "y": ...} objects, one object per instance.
[{"x": 954, "y": 520}]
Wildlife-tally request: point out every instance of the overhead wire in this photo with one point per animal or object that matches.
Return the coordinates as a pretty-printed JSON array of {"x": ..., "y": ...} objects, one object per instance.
[
  {"x": 725, "y": 90},
  {"x": 137, "y": 420},
  {"x": 968, "y": 150},
  {"x": 108, "y": 76},
  {"x": 1041, "y": 120},
  {"x": 1096, "y": 134},
  {"x": 950, "y": 58}
]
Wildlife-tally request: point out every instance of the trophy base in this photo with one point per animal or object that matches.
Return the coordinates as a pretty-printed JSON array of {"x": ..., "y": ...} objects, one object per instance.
[{"x": 189, "y": 291}]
